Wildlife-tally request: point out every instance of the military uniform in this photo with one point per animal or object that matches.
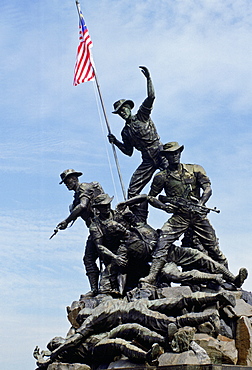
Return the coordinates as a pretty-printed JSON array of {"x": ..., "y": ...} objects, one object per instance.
[
  {"x": 152, "y": 314},
  {"x": 105, "y": 346},
  {"x": 118, "y": 235},
  {"x": 185, "y": 182},
  {"x": 106, "y": 235},
  {"x": 140, "y": 133},
  {"x": 89, "y": 191},
  {"x": 109, "y": 233}
]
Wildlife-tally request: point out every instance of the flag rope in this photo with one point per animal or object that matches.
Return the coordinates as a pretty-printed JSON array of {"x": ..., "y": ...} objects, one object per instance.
[{"x": 105, "y": 143}]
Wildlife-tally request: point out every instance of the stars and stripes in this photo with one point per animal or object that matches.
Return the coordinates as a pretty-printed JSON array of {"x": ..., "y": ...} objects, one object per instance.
[{"x": 84, "y": 66}]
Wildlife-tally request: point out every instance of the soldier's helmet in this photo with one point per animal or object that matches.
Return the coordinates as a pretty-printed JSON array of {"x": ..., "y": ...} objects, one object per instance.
[
  {"x": 120, "y": 103},
  {"x": 101, "y": 200},
  {"x": 67, "y": 173}
]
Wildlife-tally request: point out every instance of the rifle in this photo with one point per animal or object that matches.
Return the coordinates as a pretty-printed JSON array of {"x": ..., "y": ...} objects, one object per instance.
[{"x": 187, "y": 205}]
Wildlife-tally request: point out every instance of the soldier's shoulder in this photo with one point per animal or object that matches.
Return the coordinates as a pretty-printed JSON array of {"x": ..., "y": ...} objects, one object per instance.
[
  {"x": 96, "y": 184},
  {"x": 90, "y": 185},
  {"x": 193, "y": 167}
]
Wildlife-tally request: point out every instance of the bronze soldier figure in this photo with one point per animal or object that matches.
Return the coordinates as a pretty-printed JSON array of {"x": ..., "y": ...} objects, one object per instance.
[
  {"x": 105, "y": 346},
  {"x": 84, "y": 193},
  {"x": 184, "y": 182},
  {"x": 150, "y": 314},
  {"x": 107, "y": 229},
  {"x": 139, "y": 132},
  {"x": 123, "y": 245},
  {"x": 198, "y": 267}
]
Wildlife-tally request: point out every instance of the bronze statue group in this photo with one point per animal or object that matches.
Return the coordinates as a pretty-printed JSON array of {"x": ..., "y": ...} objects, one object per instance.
[{"x": 125, "y": 257}]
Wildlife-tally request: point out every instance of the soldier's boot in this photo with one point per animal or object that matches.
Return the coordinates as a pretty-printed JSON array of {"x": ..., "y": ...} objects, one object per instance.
[
  {"x": 93, "y": 282},
  {"x": 223, "y": 298},
  {"x": 196, "y": 318},
  {"x": 156, "y": 267},
  {"x": 241, "y": 277},
  {"x": 231, "y": 278}
]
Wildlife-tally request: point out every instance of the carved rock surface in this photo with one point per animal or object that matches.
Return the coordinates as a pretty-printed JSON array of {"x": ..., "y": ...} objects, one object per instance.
[
  {"x": 244, "y": 341},
  {"x": 226, "y": 330},
  {"x": 200, "y": 353},
  {"x": 241, "y": 309},
  {"x": 219, "y": 350},
  {"x": 123, "y": 363},
  {"x": 247, "y": 296},
  {"x": 62, "y": 366},
  {"x": 184, "y": 358}
]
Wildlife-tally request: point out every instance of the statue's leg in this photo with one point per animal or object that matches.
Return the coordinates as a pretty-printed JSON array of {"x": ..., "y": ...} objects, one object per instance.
[
  {"x": 109, "y": 281},
  {"x": 139, "y": 312},
  {"x": 106, "y": 314},
  {"x": 108, "y": 349},
  {"x": 196, "y": 318},
  {"x": 156, "y": 266},
  {"x": 89, "y": 259},
  {"x": 202, "y": 298},
  {"x": 140, "y": 178},
  {"x": 171, "y": 273},
  {"x": 170, "y": 232},
  {"x": 206, "y": 234},
  {"x": 139, "y": 333},
  {"x": 196, "y": 259},
  {"x": 237, "y": 280}
]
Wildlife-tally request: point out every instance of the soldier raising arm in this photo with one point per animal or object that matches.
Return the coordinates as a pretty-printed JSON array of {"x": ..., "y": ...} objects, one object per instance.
[{"x": 139, "y": 132}]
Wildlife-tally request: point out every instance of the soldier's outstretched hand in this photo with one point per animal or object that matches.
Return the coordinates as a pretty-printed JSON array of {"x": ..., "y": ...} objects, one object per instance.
[
  {"x": 145, "y": 71},
  {"x": 62, "y": 225}
]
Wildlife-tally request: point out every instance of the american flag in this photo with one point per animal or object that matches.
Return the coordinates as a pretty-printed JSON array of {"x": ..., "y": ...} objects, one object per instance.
[{"x": 84, "y": 66}]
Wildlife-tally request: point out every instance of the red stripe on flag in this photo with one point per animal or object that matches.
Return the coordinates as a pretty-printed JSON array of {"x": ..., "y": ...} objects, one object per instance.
[{"x": 84, "y": 69}]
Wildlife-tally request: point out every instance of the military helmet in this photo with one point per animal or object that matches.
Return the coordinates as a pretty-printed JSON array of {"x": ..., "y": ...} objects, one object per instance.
[
  {"x": 67, "y": 173},
  {"x": 120, "y": 103},
  {"x": 101, "y": 200}
]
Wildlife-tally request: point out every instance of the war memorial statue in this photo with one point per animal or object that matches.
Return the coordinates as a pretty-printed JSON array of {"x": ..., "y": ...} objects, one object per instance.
[
  {"x": 140, "y": 132},
  {"x": 154, "y": 301},
  {"x": 183, "y": 182},
  {"x": 84, "y": 193}
]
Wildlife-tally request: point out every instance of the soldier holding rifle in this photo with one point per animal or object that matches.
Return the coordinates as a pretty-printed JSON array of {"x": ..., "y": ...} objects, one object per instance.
[{"x": 183, "y": 184}]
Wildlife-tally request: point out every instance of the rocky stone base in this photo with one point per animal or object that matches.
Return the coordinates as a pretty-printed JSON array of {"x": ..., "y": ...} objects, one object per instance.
[
  {"x": 124, "y": 364},
  {"x": 231, "y": 349}
]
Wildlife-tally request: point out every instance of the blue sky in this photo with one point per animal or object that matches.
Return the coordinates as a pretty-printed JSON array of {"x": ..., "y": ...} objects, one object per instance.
[{"x": 199, "y": 55}]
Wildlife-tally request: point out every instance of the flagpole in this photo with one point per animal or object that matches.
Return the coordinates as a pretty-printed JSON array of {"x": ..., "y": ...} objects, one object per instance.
[{"x": 106, "y": 119}]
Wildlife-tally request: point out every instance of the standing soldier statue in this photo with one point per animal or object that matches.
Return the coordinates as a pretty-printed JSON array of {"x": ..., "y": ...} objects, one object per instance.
[
  {"x": 139, "y": 132},
  {"x": 183, "y": 184},
  {"x": 84, "y": 193}
]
